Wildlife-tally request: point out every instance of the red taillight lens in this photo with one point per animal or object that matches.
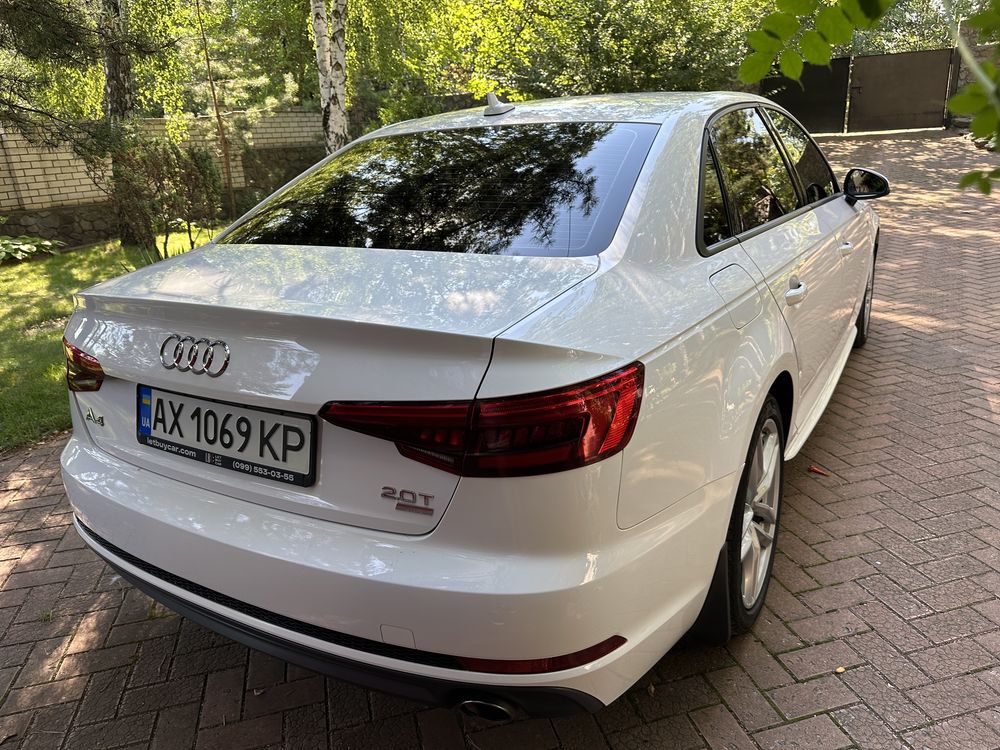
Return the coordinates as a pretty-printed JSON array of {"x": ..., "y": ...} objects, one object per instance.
[
  {"x": 541, "y": 666},
  {"x": 83, "y": 371},
  {"x": 434, "y": 433},
  {"x": 513, "y": 436}
]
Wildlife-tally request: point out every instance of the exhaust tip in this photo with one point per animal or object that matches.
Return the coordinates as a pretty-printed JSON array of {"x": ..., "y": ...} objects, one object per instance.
[{"x": 484, "y": 709}]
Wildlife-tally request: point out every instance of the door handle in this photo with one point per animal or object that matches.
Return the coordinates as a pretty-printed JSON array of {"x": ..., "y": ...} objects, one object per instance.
[
  {"x": 846, "y": 248},
  {"x": 796, "y": 291}
]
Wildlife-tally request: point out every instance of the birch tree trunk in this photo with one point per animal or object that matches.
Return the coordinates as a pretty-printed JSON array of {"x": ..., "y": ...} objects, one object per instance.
[{"x": 331, "y": 64}]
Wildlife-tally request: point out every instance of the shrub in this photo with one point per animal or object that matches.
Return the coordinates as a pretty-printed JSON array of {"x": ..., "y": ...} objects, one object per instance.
[
  {"x": 24, "y": 246},
  {"x": 163, "y": 187}
]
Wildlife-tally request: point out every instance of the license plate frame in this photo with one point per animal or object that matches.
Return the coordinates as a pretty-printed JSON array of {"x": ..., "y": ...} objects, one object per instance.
[{"x": 247, "y": 466}]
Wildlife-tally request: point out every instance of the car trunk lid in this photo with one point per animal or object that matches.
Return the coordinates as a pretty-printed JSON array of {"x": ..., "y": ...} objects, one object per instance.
[{"x": 305, "y": 326}]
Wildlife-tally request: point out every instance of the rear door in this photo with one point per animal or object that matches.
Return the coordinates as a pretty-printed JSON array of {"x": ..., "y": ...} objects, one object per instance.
[
  {"x": 795, "y": 249},
  {"x": 821, "y": 192}
]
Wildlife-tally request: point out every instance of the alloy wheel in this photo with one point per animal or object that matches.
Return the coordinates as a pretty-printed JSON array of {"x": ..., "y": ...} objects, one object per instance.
[
  {"x": 760, "y": 512},
  {"x": 866, "y": 311}
]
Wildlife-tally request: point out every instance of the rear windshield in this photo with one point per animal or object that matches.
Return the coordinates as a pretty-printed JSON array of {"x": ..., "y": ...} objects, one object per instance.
[{"x": 554, "y": 189}]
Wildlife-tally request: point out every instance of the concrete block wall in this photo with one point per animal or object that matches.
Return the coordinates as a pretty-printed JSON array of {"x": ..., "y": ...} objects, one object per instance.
[
  {"x": 38, "y": 184},
  {"x": 36, "y": 177}
]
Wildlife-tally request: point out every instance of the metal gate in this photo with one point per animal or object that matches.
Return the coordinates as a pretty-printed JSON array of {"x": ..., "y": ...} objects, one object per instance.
[
  {"x": 904, "y": 90},
  {"x": 819, "y": 101}
]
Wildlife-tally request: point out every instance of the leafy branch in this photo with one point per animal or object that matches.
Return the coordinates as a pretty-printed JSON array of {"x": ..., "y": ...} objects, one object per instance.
[{"x": 802, "y": 31}]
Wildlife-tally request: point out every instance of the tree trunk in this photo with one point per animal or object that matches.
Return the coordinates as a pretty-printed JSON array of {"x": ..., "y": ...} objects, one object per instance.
[
  {"x": 331, "y": 64},
  {"x": 118, "y": 103},
  {"x": 119, "y": 96}
]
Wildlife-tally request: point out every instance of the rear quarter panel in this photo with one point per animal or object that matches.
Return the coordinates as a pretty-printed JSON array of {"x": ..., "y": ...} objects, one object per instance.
[{"x": 652, "y": 301}]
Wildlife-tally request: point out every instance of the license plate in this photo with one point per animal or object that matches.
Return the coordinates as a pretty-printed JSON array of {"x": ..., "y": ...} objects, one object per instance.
[{"x": 261, "y": 442}]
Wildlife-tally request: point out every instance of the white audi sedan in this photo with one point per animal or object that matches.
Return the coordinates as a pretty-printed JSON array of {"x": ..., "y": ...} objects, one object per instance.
[{"x": 486, "y": 409}]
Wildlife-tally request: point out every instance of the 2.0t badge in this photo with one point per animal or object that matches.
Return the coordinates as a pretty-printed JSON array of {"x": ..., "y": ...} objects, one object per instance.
[
  {"x": 200, "y": 356},
  {"x": 408, "y": 500}
]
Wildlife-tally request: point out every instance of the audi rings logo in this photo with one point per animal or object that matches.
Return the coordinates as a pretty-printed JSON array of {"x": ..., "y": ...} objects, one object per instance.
[{"x": 200, "y": 356}]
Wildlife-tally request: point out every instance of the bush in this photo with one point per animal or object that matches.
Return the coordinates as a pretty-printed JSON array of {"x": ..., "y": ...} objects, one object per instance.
[
  {"x": 24, "y": 246},
  {"x": 162, "y": 187}
]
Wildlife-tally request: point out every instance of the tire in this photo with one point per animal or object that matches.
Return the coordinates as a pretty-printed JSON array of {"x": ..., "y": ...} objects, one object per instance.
[
  {"x": 863, "y": 323},
  {"x": 754, "y": 531}
]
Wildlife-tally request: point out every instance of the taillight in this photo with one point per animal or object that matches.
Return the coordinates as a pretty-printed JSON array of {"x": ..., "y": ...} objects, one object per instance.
[
  {"x": 512, "y": 436},
  {"x": 540, "y": 666},
  {"x": 83, "y": 371}
]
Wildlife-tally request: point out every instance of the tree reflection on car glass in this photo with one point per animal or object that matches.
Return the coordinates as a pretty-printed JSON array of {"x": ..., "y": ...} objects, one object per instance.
[
  {"x": 545, "y": 189},
  {"x": 810, "y": 164},
  {"x": 753, "y": 171}
]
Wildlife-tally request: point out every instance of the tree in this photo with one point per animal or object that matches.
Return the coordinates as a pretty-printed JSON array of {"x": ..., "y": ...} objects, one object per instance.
[
  {"x": 331, "y": 64},
  {"x": 40, "y": 39},
  {"x": 808, "y": 30}
]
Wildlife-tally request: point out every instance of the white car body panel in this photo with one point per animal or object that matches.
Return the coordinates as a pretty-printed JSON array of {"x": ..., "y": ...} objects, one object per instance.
[{"x": 504, "y": 568}]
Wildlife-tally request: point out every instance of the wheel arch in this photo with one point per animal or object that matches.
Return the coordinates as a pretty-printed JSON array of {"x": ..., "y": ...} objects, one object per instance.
[{"x": 783, "y": 390}]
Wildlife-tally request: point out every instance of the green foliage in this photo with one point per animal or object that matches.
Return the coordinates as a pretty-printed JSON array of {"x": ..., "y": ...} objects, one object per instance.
[
  {"x": 163, "y": 187},
  {"x": 785, "y": 37},
  {"x": 24, "y": 246},
  {"x": 36, "y": 299},
  {"x": 791, "y": 64}
]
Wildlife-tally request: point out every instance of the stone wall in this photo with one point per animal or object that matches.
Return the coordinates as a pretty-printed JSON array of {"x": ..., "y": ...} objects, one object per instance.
[
  {"x": 983, "y": 52},
  {"x": 47, "y": 192}
]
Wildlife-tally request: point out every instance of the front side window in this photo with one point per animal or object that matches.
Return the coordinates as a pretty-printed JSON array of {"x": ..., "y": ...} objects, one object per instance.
[
  {"x": 807, "y": 160},
  {"x": 555, "y": 189},
  {"x": 714, "y": 219},
  {"x": 756, "y": 178}
]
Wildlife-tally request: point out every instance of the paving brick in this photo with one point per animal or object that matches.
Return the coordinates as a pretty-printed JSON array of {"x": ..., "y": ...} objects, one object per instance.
[
  {"x": 828, "y": 626},
  {"x": 45, "y": 694},
  {"x": 162, "y": 695},
  {"x": 964, "y": 733},
  {"x": 821, "y": 659},
  {"x": 762, "y": 667},
  {"x": 669, "y": 698},
  {"x": 241, "y": 735},
  {"x": 223, "y": 700},
  {"x": 283, "y": 697},
  {"x": 440, "y": 728},
  {"x": 954, "y": 658},
  {"x": 104, "y": 693},
  {"x": 812, "y": 697},
  {"x": 817, "y": 733},
  {"x": 954, "y": 696},
  {"x": 721, "y": 729},
  {"x": 743, "y": 699},
  {"x": 114, "y": 733},
  {"x": 675, "y": 732},
  {"x": 400, "y": 732},
  {"x": 176, "y": 728},
  {"x": 866, "y": 729},
  {"x": 86, "y": 662},
  {"x": 886, "y": 701}
]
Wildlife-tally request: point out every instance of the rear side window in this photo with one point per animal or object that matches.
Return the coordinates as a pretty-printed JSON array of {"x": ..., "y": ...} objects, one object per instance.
[
  {"x": 556, "y": 189},
  {"x": 756, "y": 178},
  {"x": 714, "y": 219},
  {"x": 807, "y": 160}
]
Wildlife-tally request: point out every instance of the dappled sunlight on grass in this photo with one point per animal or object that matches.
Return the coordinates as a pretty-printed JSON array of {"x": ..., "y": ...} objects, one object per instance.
[{"x": 36, "y": 299}]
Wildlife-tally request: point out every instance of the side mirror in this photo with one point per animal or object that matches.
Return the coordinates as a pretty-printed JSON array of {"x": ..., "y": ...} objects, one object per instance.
[{"x": 864, "y": 184}]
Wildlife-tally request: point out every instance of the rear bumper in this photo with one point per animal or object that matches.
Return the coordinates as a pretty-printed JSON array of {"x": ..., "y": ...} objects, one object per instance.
[
  {"x": 536, "y": 701},
  {"x": 284, "y": 582}
]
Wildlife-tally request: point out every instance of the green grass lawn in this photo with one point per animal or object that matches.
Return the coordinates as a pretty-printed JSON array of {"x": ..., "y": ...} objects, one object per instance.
[{"x": 36, "y": 299}]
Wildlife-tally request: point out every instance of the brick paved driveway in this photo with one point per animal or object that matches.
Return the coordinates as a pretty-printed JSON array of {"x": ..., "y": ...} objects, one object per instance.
[{"x": 882, "y": 627}]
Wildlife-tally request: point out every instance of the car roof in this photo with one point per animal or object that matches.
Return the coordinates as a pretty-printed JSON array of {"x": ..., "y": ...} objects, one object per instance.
[{"x": 655, "y": 107}]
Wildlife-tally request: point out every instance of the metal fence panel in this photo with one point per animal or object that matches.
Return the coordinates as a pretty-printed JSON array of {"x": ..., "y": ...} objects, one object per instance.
[
  {"x": 904, "y": 90},
  {"x": 820, "y": 101}
]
